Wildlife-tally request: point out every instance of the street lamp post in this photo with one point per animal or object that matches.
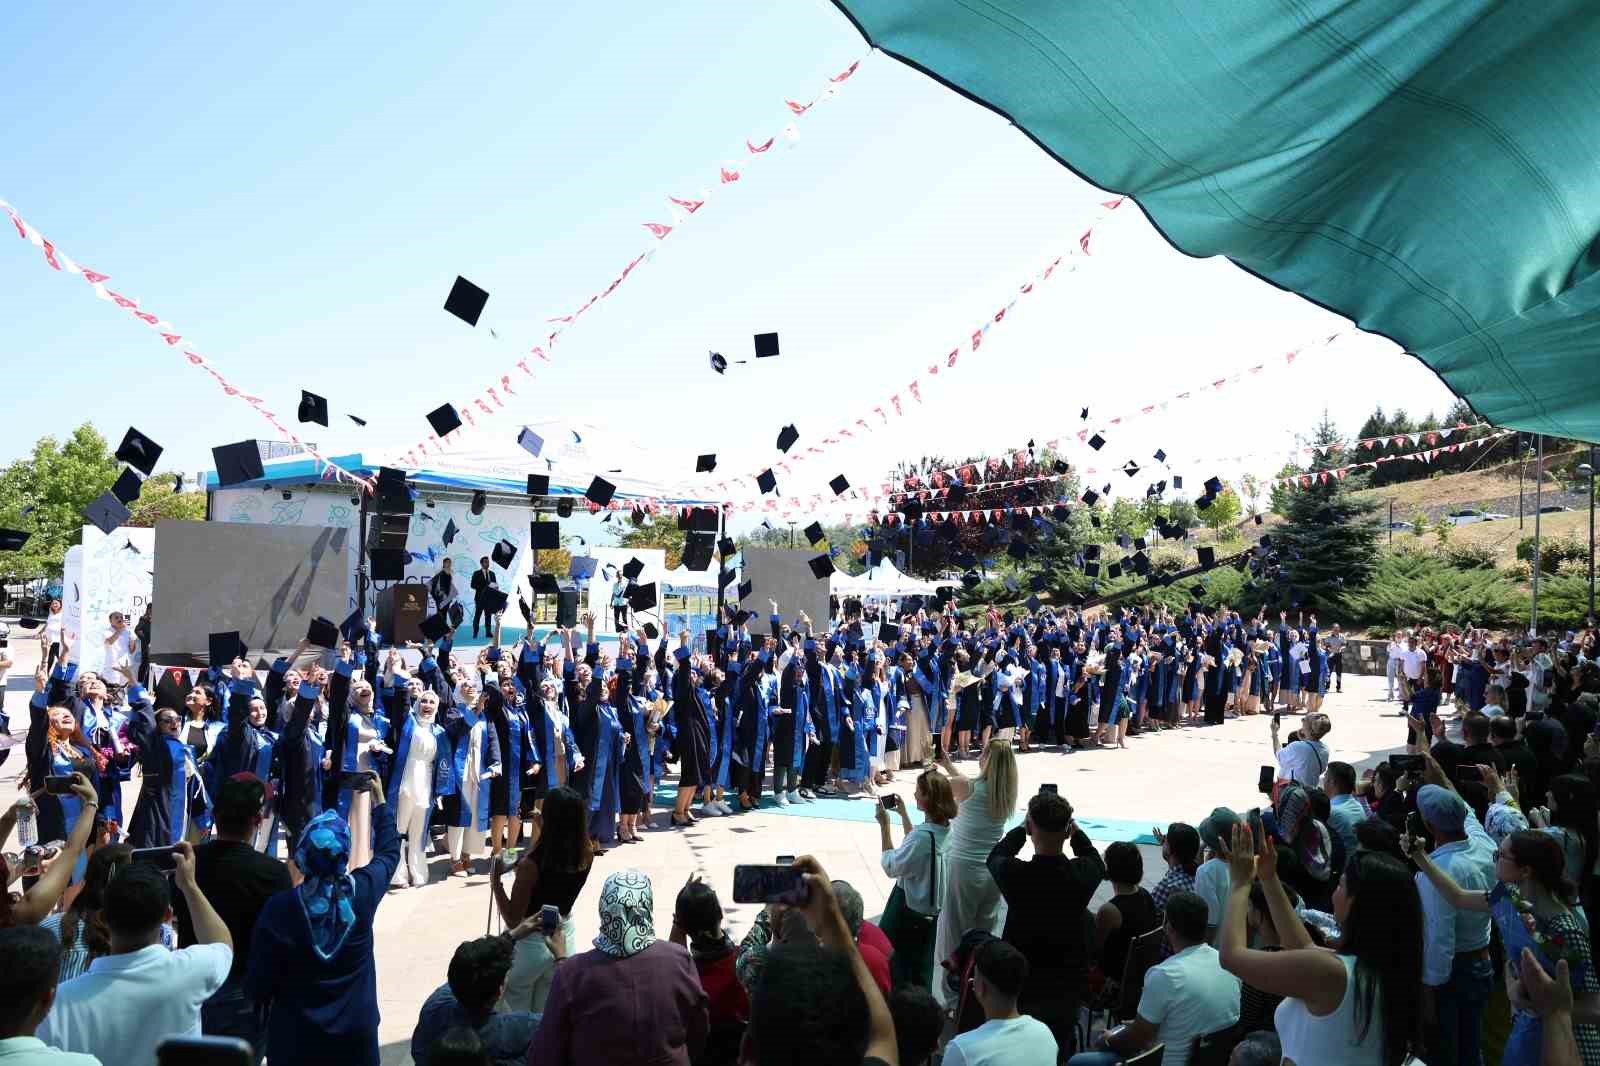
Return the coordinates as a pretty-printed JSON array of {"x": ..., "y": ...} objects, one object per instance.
[{"x": 1587, "y": 470}]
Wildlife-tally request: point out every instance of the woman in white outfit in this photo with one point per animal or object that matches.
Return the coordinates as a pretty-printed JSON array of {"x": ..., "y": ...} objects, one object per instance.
[
  {"x": 971, "y": 898},
  {"x": 413, "y": 786},
  {"x": 476, "y": 758}
]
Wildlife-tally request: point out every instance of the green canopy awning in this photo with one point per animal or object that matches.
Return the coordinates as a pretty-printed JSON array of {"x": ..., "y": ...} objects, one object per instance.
[{"x": 1430, "y": 169}]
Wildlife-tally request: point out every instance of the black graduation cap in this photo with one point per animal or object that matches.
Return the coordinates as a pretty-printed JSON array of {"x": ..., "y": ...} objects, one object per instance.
[
  {"x": 480, "y": 500},
  {"x": 313, "y": 408},
  {"x": 494, "y": 600},
  {"x": 642, "y": 597},
  {"x": 564, "y": 507},
  {"x": 705, "y": 464},
  {"x": 1213, "y": 486},
  {"x": 1113, "y": 570},
  {"x": 434, "y": 627},
  {"x": 225, "y": 647},
  {"x": 1139, "y": 544},
  {"x": 1130, "y": 468},
  {"x": 1207, "y": 556},
  {"x": 1094, "y": 520},
  {"x": 538, "y": 484},
  {"x": 527, "y": 612},
  {"x": 650, "y": 631},
  {"x": 1061, "y": 466},
  {"x": 12, "y": 540},
  {"x": 718, "y": 363},
  {"x": 544, "y": 584},
  {"x": 1124, "y": 541},
  {"x": 726, "y": 578},
  {"x": 786, "y": 437},
  {"x": 839, "y": 485},
  {"x": 821, "y": 567},
  {"x": 970, "y": 579},
  {"x": 450, "y": 531},
  {"x": 813, "y": 534},
  {"x": 503, "y": 553},
  {"x": 726, "y": 547},
  {"x": 106, "y": 512},
  {"x": 388, "y": 564},
  {"x": 1091, "y": 569},
  {"x": 237, "y": 462},
  {"x": 601, "y": 491},
  {"x": 1033, "y": 604},
  {"x": 766, "y": 345},
  {"x": 633, "y": 568},
  {"x": 1177, "y": 481},
  {"x": 1161, "y": 456},
  {"x": 177, "y": 484},
  {"x": 444, "y": 419},
  {"x": 1097, "y": 442},
  {"x": 1205, "y": 502},
  {"x": 745, "y": 589},
  {"x": 1089, "y": 497},
  {"x": 1258, "y": 519},
  {"x": 1141, "y": 563},
  {"x": 703, "y": 519},
  {"x": 1106, "y": 488},
  {"x": 766, "y": 482},
  {"x": 1091, "y": 551},
  {"x": 697, "y": 547},
  {"x": 350, "y": 629},
  {"x": 357, "y": 421},
  {"x": 128, "y": 485},
  {"x": 740, "y": 617},
  {"x": 543, "y": 536},
  {"x": 138, "y": 450},
  {"x": 1084, "y": 414},
  {"x": 466, "y": 301},
  {"x": 322, "y": 633},
  {"x": 391, "y": 482}
]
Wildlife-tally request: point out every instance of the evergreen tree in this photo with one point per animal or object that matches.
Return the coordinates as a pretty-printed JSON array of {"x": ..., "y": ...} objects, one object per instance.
[{"x": 1326, "y": 547}]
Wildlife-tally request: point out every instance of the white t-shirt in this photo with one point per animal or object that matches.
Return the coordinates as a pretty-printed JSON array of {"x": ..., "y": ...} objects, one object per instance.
[
  {"x": 1022, "y": 1041},
  {"x": 31, "y": 1051},
  {"x": 1188, "y": 995},
  {"x": 1211, "y": 883},
  {"x": 1412, "y": 659},
  {"x": 127, "y": 1004},
  {"x": 118, "y": 653},
  {"x": 1303, "y": 761}
]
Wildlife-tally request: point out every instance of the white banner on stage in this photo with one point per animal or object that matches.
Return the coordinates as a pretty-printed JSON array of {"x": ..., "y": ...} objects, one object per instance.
[{"x": 118, "y": 574}]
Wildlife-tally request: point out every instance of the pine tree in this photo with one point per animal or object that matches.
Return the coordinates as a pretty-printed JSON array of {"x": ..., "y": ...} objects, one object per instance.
[{"x": 1326, "y": 547}]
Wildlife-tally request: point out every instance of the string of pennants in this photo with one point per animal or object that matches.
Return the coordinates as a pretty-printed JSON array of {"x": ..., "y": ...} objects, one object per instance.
[
  {"x": 488, "y": 403},
  {"x": 59, "y": 260},
  {"x": 1427, "y": 455}
]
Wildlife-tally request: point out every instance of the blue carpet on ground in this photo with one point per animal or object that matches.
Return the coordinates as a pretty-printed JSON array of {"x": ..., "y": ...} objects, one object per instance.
[{"x": 860, "y": 809}]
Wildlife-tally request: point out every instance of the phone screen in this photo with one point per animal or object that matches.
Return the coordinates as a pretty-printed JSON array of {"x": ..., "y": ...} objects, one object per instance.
[
  {"x": 767, "y": 884},
  {"x": 58, "y": 785},
  {"x": 785, "y": 860},
  {"x": 1050, "y": 788},
  {"x": 353, "y": 779},
  {"x": 549, "y": 918},
  {"x": 204, "y": 1051},
  {"x": 164, "y": 859},
  {"x": 890, "y": 801}
]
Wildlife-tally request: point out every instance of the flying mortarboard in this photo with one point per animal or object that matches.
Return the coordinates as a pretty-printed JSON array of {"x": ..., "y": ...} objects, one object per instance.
[
  {"x": 718, "y": 363},
  {"x": 1084, "y": 414},
  {"x": 127, "y": 486},
  {"x": 434, "y": 627},
  {"x": 538, "y": 484},
  {"x": 1091, "y": 569},
  {"x": 322, "y": 633},
  {"x": 786, "y": 437},
  {"x": 839, "y": 485},
  {"x": 726, "y": 547},
  {"x": 740, "y": 617},
  {"x": 356, "y": 420},
  {"x": 480, "y": 500},
  {"x": 1124, "y": 541},
  {"x": 1207, "y": 556},
  {"x": 766, "y": 482},
  {"x": 450, "y": 531},
  {"x": 106, "y": 513},
  {"x": 1113, "y": 570},
  {"x": 970, "y": 579},
  {"x": 237, "y": 462},
  {"x": 313, "y": 408},
  {"x": 650, "y": 631},
  {"x": 600, "y": 491},
  {"x": 1130, "y": 468},
  {"x": 1177, "y": 481},
  {"x": 1213, "y": 486},
  {"x": 633, "y": 568},
  {"x": 494, "y": 600},
  {"x": 503, "y": 553},
  {"x": 543, "y": 536},
  {"x": 1089, "y": 497},
  {"x": 1139, "y": 544},
  {"x": 350, "y": 629},
  {"x": 466, "y": 301},
  {"x": 225, "y": 647},
  {"x": 1033, "y": 604},
  {"x": 544, "y": 584},
  {"x": 745, "y": 589},
  {"x": 705, "y": 464},
  {"x": 1161, "y": 456},
  {"x": 138, "y": 450},
  {"x": 1091, "y": 551},
  {"x": 642, "y": 597},
  {"x": 444, "y": 419},
  {"x": 1097, "y": 442},
  {"x": 12, "y": 540},
  {"x": 388, "y": 564},
  {"x": 530, "y": 442},
  {"x": 766, "y": 345},
  {"x": 821, "y": 567},
  {"x": 1061, "y": 466}
]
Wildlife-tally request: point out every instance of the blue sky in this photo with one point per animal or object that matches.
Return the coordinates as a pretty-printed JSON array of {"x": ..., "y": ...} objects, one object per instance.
[{"x": 295, "y": 188}]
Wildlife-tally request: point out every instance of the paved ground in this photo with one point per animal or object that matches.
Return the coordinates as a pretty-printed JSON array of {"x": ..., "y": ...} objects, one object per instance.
[{"x": 1118, "y": 795}]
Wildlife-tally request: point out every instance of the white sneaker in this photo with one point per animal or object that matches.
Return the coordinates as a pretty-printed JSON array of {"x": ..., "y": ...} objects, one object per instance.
[
  {"x": 783, "y": 799},
  {"x": 723, "y": 808},
  {"x": 710, "y": 809},
  {"x": 794, "y": 797}
]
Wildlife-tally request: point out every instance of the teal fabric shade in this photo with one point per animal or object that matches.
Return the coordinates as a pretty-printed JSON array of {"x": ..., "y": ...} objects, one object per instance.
[{"x": 1430, "y": 169}]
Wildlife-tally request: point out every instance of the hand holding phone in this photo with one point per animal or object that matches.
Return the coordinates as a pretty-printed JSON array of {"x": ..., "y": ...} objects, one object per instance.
[
  {"x": 58, "y": 785},
  {"x": 163, "y": 859},
  {"x": 549, "y": 918},
  {"x": 889, "y": 800},
  {"x": 768, "y": 884}
]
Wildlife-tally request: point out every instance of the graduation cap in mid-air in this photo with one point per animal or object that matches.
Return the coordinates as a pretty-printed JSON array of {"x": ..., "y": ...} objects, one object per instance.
[
  {"x": 766, "y": 345},
  {"x": 12, "y": 540},
  {"x": 745, "y": 589},
  {"x": 821, "y": 567},
  {"x": 313, "y": 408},
  {"x": 466, "y": 301},
  {"x": 434, "y": 627},
  {"x": 544, "y": 584},
  {"x": 600, "y": 491},
  {"x": 1177, "y": 481},
  {"x": 1130, "y": 468},
  {"x": 813, "y": 534},
  {"x": 786, "y": 437},
  {"x": 1207, "y": 556},
  {"x": 480, "y": 500},
  {"x": 642, "y": 597},
  {"x": 444, "y": 419},
  {"x": 1061, "y": 466},
  {"x": 543, "y": 536},
  {"x": 970, "y": 579},
  {"x": 1213, "y": 486},
  {"x": 450, "y": 531},
  {"x": 633, "y": 568},
  {"x": 127, "y": 486},
  {"x": 530, "y": 442},
  {"x": 705, "y": 464},
  {"x": 1161, "y": 456},
  {"x": 138, "y": 450},
  {"x": 1084, "y": 414},
  {"x": 766, "y": 481},
  {"x": 839, "y": 485},
  {"x": 1097, "y": 442},
  {"x": 564, "y": 507},
  {"x": 237, "y": 462},
  {"x": 322, "y": 633},
  {"x": 357, "y": 420},
  {"x": 225, "y": 647},
  {"x": 1089, "y": 497},
  {"x": 502, "y": 554},
  {"x": 538, "y": 484},
  {"x": 351, "y": 628},
  {"x": 1113, "y": 570}
]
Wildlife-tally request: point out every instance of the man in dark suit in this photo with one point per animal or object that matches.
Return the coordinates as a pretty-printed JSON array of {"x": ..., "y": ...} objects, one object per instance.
[{"x": 483, "y": 581}]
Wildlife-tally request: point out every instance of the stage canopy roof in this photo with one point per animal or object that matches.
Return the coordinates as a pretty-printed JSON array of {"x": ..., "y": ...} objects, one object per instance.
[
  {"x": 1430, "y": 170},
  {"x": 885, "y": 579}
]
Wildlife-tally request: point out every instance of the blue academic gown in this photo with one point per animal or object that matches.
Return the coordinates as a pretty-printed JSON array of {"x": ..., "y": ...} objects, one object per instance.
[
  {"x": 458, "y": 732},
  {"x": 789, "y": 730},
  {"x": 605, "y": 789},
  {"x": 854, "y": 754},
  {"x": 161, "y": 814},
  {"x": 443, "y": 764}
]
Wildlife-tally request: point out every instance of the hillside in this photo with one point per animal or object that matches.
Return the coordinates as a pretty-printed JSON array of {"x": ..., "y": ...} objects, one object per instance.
[{"x": 1492, "y": 488}]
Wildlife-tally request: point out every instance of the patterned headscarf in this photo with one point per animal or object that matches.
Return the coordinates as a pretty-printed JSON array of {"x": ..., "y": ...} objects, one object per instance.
[
  {"x": 322, "y": 855},
  {"x": 627, "y": 915}
]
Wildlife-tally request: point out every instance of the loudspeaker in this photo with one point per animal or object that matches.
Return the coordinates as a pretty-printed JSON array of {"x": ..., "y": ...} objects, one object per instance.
[
  {"x": 401, "y": 609},
  {"x": 567, "y": 605},
  {"x": 387, "y": 564},
  {"x": 388, "y": 530}
]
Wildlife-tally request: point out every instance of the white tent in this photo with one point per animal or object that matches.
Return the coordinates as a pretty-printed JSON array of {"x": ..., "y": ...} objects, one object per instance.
[{"x": 884, "y": 581}]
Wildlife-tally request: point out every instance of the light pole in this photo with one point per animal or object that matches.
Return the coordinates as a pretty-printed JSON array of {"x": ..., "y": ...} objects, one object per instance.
[
  {"x": 1538, "y": 513},
  {"x": 1587, "y": 471}
]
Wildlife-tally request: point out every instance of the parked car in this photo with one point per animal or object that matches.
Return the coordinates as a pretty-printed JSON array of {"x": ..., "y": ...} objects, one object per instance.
[
  {"x": 1470, "y": 516},
  {"x": 1401, "y": 527},
  {"x": 1553, "y": 508}
]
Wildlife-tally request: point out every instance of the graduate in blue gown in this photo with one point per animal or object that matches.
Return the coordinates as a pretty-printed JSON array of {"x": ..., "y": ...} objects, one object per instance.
[
  {"x": 754, "y": 697},
  {"x": 519, "y": 758},
  {"x": 792, "y": 730},
  {"x": 56, "y": 745},
  {"x": 605, "y": 772},
  {"x": 861, "y": 719},
  {"x": 474, "y": 763},
  {"x": 167, "y": 767}
]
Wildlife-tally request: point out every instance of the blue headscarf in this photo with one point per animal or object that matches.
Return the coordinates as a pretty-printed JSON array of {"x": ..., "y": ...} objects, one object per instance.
[{"x": 322, "y": 855}]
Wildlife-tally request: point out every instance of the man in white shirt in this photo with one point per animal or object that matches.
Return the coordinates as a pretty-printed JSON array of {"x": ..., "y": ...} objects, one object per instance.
[
  {"x": 1305, "y": 758},
  {"x": 121, "y": 646},
  {"x": 30, "y": 963},
  {"x": 1397, "y": 648},
  {"x": 1007, "y": 1038},
  {"x": 1187, "y": 996},
  {"x": 1412, "y": 660},
  {"x": 140, "y": 994}
]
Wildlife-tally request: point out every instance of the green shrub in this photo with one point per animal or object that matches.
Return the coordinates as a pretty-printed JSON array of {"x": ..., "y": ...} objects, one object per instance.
[
  {"x": 1553, "y": 552},
  {"x": 1414, "y": 588},
  {"x": 1563, "y": 601},
  {"x": 1468, "y": 556}
]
